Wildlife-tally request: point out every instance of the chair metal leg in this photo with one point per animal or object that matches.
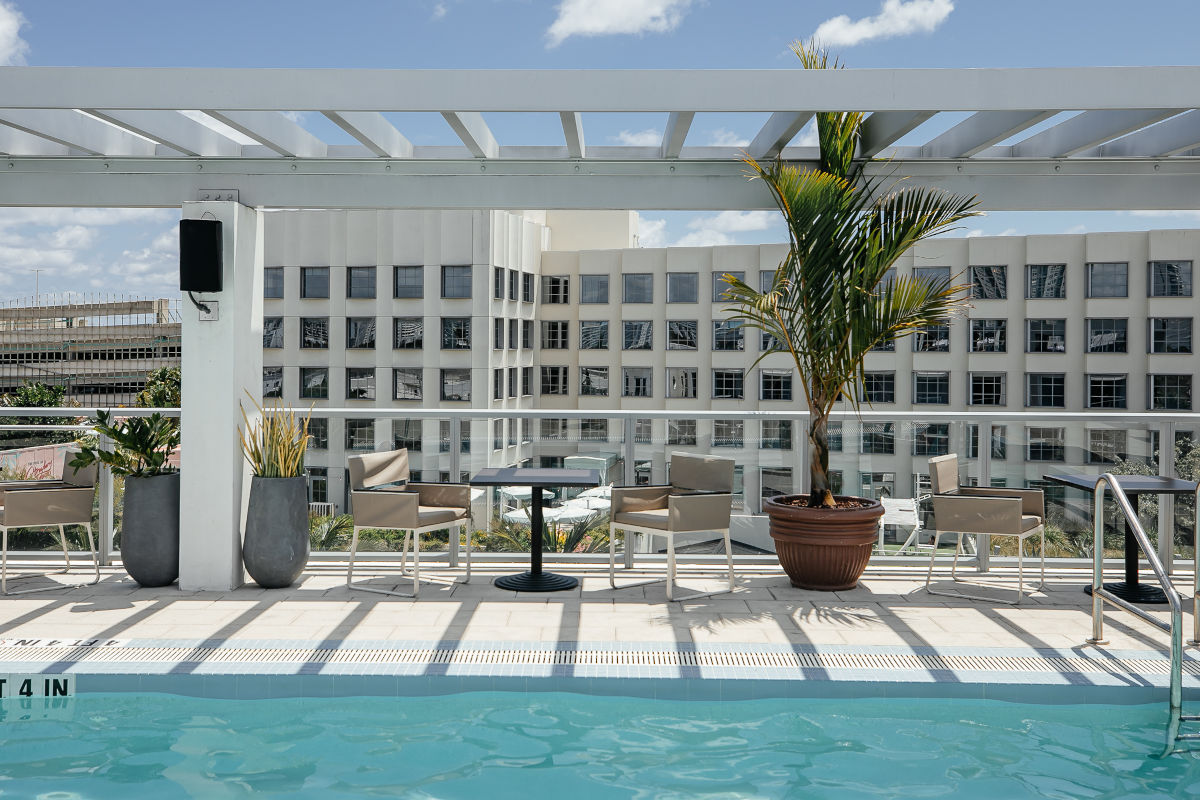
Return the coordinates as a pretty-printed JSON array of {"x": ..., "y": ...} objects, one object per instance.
[
  {"x": 670, "y": 568},
  {"x": 62, "y": 540},
  {"x": 612, "y": 555},
  {"x": 66, "y": 554},
  {"x": 4, "y": 565},
  {"x": 459, "y": 532},
  {"x": 959, "y": 549}
]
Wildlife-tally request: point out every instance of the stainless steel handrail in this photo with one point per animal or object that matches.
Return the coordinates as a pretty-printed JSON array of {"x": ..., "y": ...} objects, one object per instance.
[{"x": 1100, "y": 594}]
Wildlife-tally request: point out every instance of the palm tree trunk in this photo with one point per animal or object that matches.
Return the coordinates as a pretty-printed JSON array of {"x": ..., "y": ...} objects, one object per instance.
[{"x": 818, "y": 462}]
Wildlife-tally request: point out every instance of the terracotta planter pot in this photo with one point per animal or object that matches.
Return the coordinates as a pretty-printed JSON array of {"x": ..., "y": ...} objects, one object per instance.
[{"x": 825, "y": 549}]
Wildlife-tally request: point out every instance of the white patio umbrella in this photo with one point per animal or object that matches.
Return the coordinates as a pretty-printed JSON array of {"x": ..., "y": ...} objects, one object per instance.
[
  {"x": 524, "y": 493},
  {"x": 598, "y": 491},
  {"x": 567, "y": 514}
]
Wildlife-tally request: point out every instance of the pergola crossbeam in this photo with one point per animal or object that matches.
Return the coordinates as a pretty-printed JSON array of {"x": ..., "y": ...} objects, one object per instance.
[
  {"x": 173, "y": 130},
  {"x": 572, "y": 125},
  {"x": 19, "y": 143},
  {"x": 678, "y": 124},
  {"x": 1089, "y": 129},
  {"x": 980, "y": 131},
  {"x": 883, "y": 128},
  {"x": 374, "y": 131},
  {"x": 1176, "y": 135},
  {"x": 779, "y": 129},
  {"x": 274, "y": 131},
  {"x": 74, "y": 130},
  {"x": 474, "y": 132}
]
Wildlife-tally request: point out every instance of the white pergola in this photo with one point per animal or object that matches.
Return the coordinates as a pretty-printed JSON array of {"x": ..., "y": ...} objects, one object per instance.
[
  {"x": 1111, "y": 138},
  {"x": 1107, "y": 138}
]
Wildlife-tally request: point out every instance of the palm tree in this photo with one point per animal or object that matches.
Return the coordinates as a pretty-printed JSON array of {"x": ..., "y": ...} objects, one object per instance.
[{"x": 828, "y": 304}]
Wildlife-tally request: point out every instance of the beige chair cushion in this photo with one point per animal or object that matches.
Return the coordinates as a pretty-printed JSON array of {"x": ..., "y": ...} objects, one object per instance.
[
  {"x": 701, "y": 473},
  {"x": 436, "y": 515},
  {"x": 1029, "y": 522},
  {"x": 650, "y": 518},
  {"x": 378, "y": 469}
]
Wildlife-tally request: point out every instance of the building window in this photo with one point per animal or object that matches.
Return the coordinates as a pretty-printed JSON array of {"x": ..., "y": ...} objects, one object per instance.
[
  {"x": 1107, "y": 335},
  {"x": 554, "y": 335},
  {"x": 931, "y": 439},
  {"x": 681, "y": 431},
  {"x": 879, "y": 387},
  {"x": 1045, "y": 390},
  {"x": 272, "y": 332},
  {"x": 512, "y": 381},
  {"x": 593, "y": 289},
  {"x": 497, "y": 334},
  {"x": 497, "y": 434},
  {"x": 314, "y": 382},
  {"x": 638, "y": 335},
  {"x": 314, "y": 282},
  {"x": 1108, "y": 279},
  {"x": 360, "y": 333},
  {"x": 407, "y": 383},
  {"x": 683, "y": 287},
  {"x": 318, "y": 433},
  {"x": 272, "y": 382},
  {"x": 526, "y": 287},
  {"x": 1106, "y": 391},
  {"x": 456, "y": 333},
  {"x": 1171, "y": 392},
  {"x": 593, "y": 430},
  {"x": 681, "y": 335},
  {"x": 513, "y": 344},
  {"x": 1045, "y": 444},
  {"x": 988, "y": 389},
  {"x": 593, "y": 381},
  {"x": 720, "y": 287},
  {"x": 554, "y": 380},
  {"x": 555, "y": 289},
  {"x": 456, "y": 384},
  {"x": 775, "y": 481},
  {"x": 931, "y": 339},
  {"x": 989, "y": 336},
  {"x": 637, "y": 288},
  {"x": 1107, "y": 446},
  {"x": 464, "y": 445},
  {"x": 498, "y": 384},
  {"x": 681, "y": 382},
  {"x": 554, "y": 428},
  {"x": 1171, "y": 335},
  {"x": 527, "y": 333},
  {"x": 526, "y": 382},
  {"x": 1045, "y": 281},
  {"x": 408, "y": 282},
  {"x": 456, "y": 281},
  {"x": 729, "y": 433},
  {"x": 833, "y": 436},
  {"x": 1045, "y": 336},
  {"x": 314, "y": 332},
  {"x": 767, "y": 343},
  {"x": 593, "y": 334},
  {"x": 775, "y": 384},
  {"x": 360, "y": 434},
  {"x": 989, "y": 283},
  {"x": 512, "y": 284},
  {"x": 360, "y": 383},
  {"x": 776, "y": 434},
  {"x": 408, "y": 333},
  {"x": 407, "y": 434},
  {"x": 728, "y": 335},
  {"x": 273, "y": 282},
  {"x": 879, "y": 438},
  {"x": 931, "y": 388},
  {"x": 497, "y": 283},
  {"x": 635, "y": 382},
  {"x": 318, "y": 484},
  {"x": 360, "y": 282},
  {"x": 1169, "y": 279},
  {"x": 729, "y": 384}
]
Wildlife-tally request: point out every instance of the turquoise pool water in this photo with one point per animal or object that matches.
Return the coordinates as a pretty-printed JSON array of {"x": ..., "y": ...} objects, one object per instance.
[{"x": 510, "y": 745}]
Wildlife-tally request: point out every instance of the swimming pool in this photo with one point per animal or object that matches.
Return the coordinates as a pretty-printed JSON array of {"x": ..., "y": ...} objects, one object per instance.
[{"x": 582, "y": 747}]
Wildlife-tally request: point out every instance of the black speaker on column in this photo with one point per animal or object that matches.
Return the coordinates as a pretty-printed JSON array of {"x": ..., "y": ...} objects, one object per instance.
[{"x": 200, "y": 255}]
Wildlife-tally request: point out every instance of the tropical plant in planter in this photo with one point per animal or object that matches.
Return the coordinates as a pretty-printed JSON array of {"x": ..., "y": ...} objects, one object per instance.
[
  {"x": 276, "y": 544},
  {"x": 829, "y": 305},
  {"x": 150, "y": 519}
]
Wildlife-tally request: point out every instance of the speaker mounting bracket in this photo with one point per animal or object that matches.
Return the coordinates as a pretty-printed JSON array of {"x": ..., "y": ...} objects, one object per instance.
[{"x": 217, "y": 194}]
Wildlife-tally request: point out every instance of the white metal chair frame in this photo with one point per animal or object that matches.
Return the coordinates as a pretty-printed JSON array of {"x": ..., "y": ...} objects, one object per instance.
[
  {"x": 39, "y": 514},
  {"x": 669, "y": 580},
  {"x": 412, "y": 537}
]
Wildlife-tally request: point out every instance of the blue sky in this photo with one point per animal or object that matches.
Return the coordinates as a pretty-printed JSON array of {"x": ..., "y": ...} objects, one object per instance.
[{"x": 131, "y": 250}]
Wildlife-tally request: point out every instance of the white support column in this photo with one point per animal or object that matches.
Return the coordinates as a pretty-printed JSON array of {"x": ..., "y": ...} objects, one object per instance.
[{"x": 222, "y": 360}]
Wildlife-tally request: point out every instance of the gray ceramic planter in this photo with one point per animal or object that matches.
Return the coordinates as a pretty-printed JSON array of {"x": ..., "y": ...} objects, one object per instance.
[
  {"x": 150, "y": 529},
  {"x": 275, "y": 548}
]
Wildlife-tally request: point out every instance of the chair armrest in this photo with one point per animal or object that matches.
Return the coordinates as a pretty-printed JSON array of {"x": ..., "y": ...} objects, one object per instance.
[
  {"x": 699, "y": 512},
  {"x": 388, "y": 509},
  {"x": 1033, "y": 501},
  {"x": 446, "y": 495},
  {"x": 639, "y": 498},
  {"x": 48, "y": 506},
  {"x": 955, "y": 512}
]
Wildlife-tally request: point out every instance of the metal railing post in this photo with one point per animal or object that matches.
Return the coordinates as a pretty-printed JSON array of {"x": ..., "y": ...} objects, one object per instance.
[
  {"x": 629, "y": 449},
  {"x": 1166, "y": 505},
  {"x": 107, "y": 529},
  {"x": 455, "y": 474},
  {"x": 1097, "y": 563},
  {"x": 1195, "y": 640}
]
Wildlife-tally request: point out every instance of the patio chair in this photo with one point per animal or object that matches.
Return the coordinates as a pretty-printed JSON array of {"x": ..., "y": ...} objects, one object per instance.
[
  {"x": 697, "y": 500},
  {"x": 963, "y": 510},
  {"x": 383, "y": 497},
  {"x": 49, "y": 504}
]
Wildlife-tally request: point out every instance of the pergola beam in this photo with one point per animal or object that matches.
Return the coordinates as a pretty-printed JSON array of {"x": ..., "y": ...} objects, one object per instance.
[
  {"x": 572, "y": 125},
  {"x": 274, "y": 131},
  {"x": 980, "y": 131},
  {"x": 175, "y": 131},
  {"x": 1089, "y": 129},
  {"x": 884, "y": 128},
  {"x": 678, "y": 124},
  {"x": 374, "y": 132},
  {"x": 776, "y": 132},
  {"x": 1177, "y": 135},
  {"x": 474, "y": 132},
  {"x": 71, "y": 129}
]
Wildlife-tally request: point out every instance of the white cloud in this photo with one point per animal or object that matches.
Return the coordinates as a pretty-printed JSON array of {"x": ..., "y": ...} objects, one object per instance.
[
  {"x": 609, "y": 17},
  {"x": 652, "y": 232},
  {"x": 1183, "y": 213},
  {"x": 647, "y": 138},
  {"x": 439, "y": 11},
  {"x": 12, "y": 47},
  {"x": 704, "y": 238},
  {"x": 722, "y": 137},
  {"x": 808, "y": 137},
  {"x": 895, "y": 18},
  {"x": 72, "y": 237},
  {"x": 56, "y": 217},
  {"x": 734, "y": 222}
]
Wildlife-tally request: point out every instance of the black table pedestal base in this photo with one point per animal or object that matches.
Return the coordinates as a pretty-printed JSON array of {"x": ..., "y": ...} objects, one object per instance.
[
  {"x": 539, "y": 582},
  {"x": 1136, "y": 593}
]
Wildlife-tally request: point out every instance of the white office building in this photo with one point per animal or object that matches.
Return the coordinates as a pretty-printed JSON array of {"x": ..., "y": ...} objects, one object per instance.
[{"x": 470, "y": 311}]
